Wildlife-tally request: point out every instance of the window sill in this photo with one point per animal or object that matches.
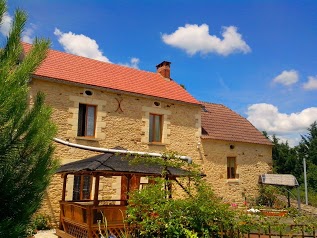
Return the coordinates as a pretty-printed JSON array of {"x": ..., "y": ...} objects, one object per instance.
[
  {"x": 156, "y": 143},
  {"x": 87, "y": 138},
  {"x": 233, "y": 181}
]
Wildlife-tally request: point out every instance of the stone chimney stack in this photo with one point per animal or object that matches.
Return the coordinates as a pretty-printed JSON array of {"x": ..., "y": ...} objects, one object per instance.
[{"x": 164, "y": 69}]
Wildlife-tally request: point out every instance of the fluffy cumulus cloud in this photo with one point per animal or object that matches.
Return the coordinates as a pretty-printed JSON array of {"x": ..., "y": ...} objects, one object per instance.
[
  {"x": 195, "y": 38},
  {"x": 266, "y": 117},
  {"x": 134, "y": 63},
  {"x": 287, "y": 78},
  {"x": 27, "y": 35},
  {"x": 6, "y": 24},
  {"x": 80, "y": 45},
  {"x": 311, "y": 84}
]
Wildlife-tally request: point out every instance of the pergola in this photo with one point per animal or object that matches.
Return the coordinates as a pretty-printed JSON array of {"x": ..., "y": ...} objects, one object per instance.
[
  {"x": 92, "y": 200},
  {"x": 287, "y": 180}
]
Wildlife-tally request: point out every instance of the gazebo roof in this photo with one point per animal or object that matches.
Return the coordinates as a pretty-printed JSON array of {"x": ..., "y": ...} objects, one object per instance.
[
  {"x": 279, "y": 179},
  {"x": 117, "y": 163}
]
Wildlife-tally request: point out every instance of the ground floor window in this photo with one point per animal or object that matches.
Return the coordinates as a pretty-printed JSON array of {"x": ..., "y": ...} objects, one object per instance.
[{"x": 82, "y": 187}]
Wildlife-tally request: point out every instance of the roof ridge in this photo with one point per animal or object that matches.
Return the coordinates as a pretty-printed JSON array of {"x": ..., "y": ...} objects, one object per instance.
[
  {"x": 86, "y": 71},
  {"x": 211, "y": 103}
]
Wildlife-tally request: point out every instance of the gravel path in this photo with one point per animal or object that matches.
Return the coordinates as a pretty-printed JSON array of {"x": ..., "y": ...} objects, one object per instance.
[{"x": 46, "y": 234}]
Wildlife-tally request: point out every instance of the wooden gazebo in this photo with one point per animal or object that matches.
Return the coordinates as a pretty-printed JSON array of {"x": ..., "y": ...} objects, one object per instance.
[{"x": 87, "y": 197}]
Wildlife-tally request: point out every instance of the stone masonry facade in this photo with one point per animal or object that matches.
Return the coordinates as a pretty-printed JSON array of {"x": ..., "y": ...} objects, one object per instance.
[
  {"x": 122, "y": 119},
  {"x": 251, "y": 161}
]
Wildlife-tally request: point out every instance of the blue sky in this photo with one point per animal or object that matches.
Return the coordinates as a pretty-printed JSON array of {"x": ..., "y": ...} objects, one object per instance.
[{"x": 259, "y": 58}]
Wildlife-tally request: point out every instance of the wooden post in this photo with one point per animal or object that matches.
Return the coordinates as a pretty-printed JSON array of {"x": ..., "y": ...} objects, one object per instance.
[
  {"x": 124, "y": 190},
  {"x": 62, "y": 205},
  {"x": 135, "y": 182},
  {"x": 64, "y": 187},
  {"x": 169, "y": 188},
  {"x": 96, "y": 189},
  {"x": 89, "y": 219},
  {"x": 128, "y": 187}
]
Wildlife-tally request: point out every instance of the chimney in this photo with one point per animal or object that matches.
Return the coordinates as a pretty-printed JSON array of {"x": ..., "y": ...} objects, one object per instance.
[{"x": 164, "y": 69}]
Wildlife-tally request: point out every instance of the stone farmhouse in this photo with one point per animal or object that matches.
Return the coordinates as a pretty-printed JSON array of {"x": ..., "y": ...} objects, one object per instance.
[{"x": 107, "y": 105}]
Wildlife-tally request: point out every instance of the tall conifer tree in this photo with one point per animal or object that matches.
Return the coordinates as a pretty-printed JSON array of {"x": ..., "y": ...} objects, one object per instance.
[{"x": 26, "y": 132}]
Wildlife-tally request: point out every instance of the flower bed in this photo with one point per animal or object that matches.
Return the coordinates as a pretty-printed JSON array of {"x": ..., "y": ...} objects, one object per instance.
[{"x": 273, "y": 212}]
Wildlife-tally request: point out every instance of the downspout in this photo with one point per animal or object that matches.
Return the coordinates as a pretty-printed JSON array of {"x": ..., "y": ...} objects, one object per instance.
[{"x": 97, "y": 149}]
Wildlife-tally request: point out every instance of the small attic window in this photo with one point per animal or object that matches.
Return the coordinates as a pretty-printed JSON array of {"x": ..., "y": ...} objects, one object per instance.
[
  {"x": 88, "y": 92},
  {"x": 204, "y": 108},
  {"x": 157, "y": 104}
]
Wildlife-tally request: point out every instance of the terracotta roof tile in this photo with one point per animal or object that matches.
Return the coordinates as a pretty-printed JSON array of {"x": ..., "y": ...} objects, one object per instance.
[
  {"x": 72, "y": 68},
  {"x": 221, "y": 123}
]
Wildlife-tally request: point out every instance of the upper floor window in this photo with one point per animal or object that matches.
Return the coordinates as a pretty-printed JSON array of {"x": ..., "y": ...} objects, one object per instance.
[
  {"x": 231, "y": 168},
  {"x": 155, "y": 128},
  {"x": 86, "y": 120},
  {"x": 82, "y": 187}
]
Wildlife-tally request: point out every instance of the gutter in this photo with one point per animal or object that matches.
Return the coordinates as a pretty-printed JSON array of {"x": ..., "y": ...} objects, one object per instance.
[{"x": 104, "y": 150}]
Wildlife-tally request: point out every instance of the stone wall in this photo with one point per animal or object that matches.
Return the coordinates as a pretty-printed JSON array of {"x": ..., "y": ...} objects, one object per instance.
[
  {"x": 121, "y": 120},
  {"x": 251, "y": 160}
]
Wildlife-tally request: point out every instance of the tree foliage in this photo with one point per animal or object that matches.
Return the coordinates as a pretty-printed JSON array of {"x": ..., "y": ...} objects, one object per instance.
[
  {"x": 25, "y": 132},
  {"x": 307, "y": 149},
  {"x": 284, "y": 158},
  {"x": 288, "y": 160}
]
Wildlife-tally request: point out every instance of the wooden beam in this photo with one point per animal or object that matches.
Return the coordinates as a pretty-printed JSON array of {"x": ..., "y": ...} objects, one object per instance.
[
  {"x": 124, "y": 190},
  {"x": 96, "y": 190},
  {"x": 64, "y": 187},
  {"x": 135, "y": 182}
]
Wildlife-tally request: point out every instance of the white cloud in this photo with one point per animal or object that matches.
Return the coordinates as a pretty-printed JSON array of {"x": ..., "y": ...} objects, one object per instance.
[
  {"x": 194, "y": 39},
  {"x": 266, "y": 117},
  {"x": 311, "y": 84},
  {"x": 6, "y": 24},
  {"x": 287, "y": 78},
  {"x": 134, "y": 63},
  {"x": 80, "y": 45},
  {"x": 27, "y": 35}
]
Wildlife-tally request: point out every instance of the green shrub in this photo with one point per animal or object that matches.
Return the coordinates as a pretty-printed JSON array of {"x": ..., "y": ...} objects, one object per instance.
[
  {"x": 199, "y": 215},
  {"x": 41, "y": 222},
  {"x": 267, "y": 195},
  {"x": 312, "y": 195}
]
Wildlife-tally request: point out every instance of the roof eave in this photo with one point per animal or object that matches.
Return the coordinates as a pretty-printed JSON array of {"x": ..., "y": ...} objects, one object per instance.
[
  {"x": 233, "y": 140},
  {"x": 110, "y": 89}
]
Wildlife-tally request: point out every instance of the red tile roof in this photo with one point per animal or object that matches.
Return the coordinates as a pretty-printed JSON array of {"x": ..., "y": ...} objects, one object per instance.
[
  {"x": 221, "y": 123},
  {"x": 72, "y": 68}
]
